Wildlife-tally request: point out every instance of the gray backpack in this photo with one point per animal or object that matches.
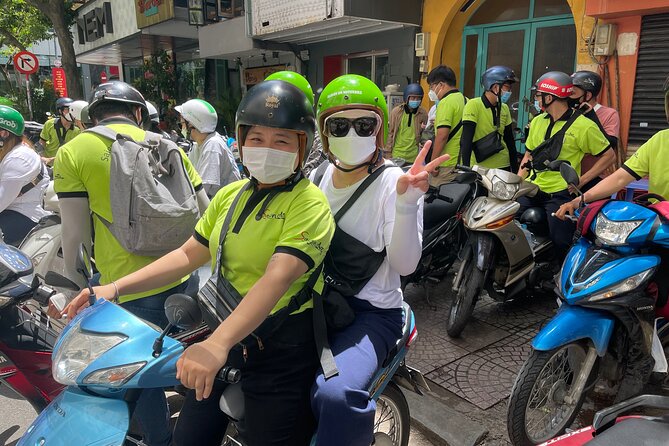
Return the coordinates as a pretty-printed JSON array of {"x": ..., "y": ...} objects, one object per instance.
[{"x": 153, "y": 203}]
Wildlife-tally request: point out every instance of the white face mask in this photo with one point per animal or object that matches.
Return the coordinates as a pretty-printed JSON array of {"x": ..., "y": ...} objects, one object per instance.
[
  {"x": 433, "y": 96},
  {"x": 352, "y": 149},
  {"x": 268, "y": 166}
]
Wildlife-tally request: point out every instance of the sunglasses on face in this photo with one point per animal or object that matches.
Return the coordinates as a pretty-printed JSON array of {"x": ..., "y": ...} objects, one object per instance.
[{"x": 364, "y": 126}]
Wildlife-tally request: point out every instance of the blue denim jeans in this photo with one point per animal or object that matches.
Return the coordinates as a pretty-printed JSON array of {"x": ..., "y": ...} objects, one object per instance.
[{"x": 151, "y": 411}]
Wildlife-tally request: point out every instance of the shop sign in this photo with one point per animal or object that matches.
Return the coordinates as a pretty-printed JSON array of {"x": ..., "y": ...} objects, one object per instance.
[
  {"x": 95, "y": 23},
  {"x": 59, "y": 81},
  {"x": 254, "y": 76},
  {"x": 150, "y": 12}
]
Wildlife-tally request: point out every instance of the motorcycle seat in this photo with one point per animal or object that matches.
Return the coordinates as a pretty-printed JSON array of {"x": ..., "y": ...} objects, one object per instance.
[
  {"x": 406, "y": 332},
  {"x": 634, "y": 431},
  {"x": 438, "y": 211}
]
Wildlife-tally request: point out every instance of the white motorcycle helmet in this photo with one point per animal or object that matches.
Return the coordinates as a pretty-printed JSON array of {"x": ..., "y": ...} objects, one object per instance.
[
  {"x": 76, "y": 107},
  {"x": 153, "y": 112},
  {"x": 200, "y": 114}
]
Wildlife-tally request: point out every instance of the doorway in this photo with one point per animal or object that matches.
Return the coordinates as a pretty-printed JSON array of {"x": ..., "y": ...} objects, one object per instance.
[{"x": 545, "y": 40}]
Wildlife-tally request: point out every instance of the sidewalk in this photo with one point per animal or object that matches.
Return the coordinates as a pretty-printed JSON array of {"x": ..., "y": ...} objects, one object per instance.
[{"x": 473, "y": 375}]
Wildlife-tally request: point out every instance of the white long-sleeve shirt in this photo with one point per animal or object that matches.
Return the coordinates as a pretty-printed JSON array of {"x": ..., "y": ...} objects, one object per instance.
[
  {"x": 18, "y": 168},
  {"x": 215, "y": 163}
]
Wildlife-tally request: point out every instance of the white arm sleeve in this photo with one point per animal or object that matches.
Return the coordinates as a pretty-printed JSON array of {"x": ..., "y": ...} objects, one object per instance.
[
  {"x": 406, "y": 243},
  {"x": 76, "y": 229}
]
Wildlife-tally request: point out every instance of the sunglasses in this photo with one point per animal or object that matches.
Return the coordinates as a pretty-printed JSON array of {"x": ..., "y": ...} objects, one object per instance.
[{"x": 364, "y": 126}]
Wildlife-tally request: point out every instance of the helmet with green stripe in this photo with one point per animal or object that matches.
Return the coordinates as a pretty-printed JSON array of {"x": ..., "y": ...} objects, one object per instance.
[
  {"x": 200, "y": 114},
  {"x": 11, "y": 120},
  {"x": 350, "y": 92},
  {"x": 296, "y": 79}
]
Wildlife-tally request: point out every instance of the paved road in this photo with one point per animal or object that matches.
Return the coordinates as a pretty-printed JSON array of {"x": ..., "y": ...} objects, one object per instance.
[{"x": 16, "y": 415}]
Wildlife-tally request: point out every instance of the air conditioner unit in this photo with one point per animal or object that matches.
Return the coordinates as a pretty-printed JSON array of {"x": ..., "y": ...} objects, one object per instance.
[{"x": 421, "y": 44}]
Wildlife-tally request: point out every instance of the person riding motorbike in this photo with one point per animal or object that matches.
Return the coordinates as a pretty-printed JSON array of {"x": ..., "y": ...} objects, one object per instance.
[
  {"x": 211, "y": 157},
  {"x": 407, "y": 121},
  {"x": 587, "y": 86},
  {"x": 316, "y": 156},
  {"x": 57, "y": 131},
  {"x": 23, "y": 179},
  {"x": 280, "y": 227},
  {"x": 82, "y": 173},
  {"x": 487, "y": 127},
  {"x": 546, "y": 142},
  {"x": 76, "y": 109},
  {"x": 377, "y": 240}
]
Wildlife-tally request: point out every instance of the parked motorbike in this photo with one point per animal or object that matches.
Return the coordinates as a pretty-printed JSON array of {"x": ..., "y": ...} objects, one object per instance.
[
  {"x": 106, "y": 356},
  {"x": 609, "y": 428},
  {"x": 27, "y": 335},
  {"x": 605, "y": 325},
  {"x": 500, "y": 255},
  {"x": 443, "y": 231}
]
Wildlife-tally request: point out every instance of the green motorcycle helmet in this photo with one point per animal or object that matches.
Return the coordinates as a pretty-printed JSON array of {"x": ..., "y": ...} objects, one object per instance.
[
  {"x": 296, "y": 79},
  {"x": 347, "y": 92},
  {"x": 11, "y": 120}
]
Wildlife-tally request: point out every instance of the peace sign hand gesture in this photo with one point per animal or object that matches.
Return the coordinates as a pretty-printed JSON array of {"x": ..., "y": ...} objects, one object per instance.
[{"x": 415, "y": 181}]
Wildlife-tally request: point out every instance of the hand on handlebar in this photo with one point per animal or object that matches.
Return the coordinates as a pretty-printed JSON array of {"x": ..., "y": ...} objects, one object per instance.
[
  {"x": 566, "y": 211},
  {"x": 80, "y": 302},
  {"x": 198, "y": 366}
]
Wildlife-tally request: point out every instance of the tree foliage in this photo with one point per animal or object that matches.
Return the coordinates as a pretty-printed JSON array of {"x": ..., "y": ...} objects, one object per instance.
[{"x": 21, "y": 25}]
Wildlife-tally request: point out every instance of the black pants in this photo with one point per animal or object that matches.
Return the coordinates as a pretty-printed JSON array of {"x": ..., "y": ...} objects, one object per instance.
[
  {"x": 561, "y": 232},
  {"x": 15, "y": 226},
  {"x": 276, "y": 382}
]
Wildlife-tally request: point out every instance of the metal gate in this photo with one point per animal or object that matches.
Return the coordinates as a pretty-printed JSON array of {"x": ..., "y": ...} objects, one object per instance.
[{"x": 648, "y": 115}]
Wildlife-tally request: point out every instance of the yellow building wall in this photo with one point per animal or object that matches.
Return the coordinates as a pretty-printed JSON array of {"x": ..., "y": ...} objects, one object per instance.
[{"x": 445, "y": 23}]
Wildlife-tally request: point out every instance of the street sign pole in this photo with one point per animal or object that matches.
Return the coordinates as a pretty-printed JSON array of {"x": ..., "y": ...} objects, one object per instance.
[{"x": 30, "y": 102}]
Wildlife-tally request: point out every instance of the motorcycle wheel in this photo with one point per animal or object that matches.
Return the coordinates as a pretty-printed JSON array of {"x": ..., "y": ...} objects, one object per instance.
[
  {"x": 537, "y": 411},
  {"x": 392, "y": 422},
  {"x": 465, "y": 299}
]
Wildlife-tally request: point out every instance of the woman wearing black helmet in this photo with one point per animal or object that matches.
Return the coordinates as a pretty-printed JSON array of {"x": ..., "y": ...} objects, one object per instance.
[
  {"x": 406, "y": 124},
  {"x": 267, "y": 235},
  {"x": 487, "y": 127}
]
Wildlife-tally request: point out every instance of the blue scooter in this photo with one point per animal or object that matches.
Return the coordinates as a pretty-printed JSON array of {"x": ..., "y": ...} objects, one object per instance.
[
  {"x": 106, "y": 356},
  {"x": 604, "y": 327}
]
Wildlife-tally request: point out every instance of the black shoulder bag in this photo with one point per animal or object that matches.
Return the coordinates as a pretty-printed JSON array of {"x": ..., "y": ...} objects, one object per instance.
[
  {"x": 491, "y": 143},
  {"x": 549, "y": 150}
]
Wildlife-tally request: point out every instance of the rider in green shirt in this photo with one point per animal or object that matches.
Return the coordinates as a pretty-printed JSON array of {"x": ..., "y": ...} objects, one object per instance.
[{"x": 58, "y": 131}]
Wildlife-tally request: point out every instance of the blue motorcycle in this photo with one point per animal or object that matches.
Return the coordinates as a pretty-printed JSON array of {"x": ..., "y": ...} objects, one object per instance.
[
  {"x": 605, "y": 325},
  {"x": 107, "y": 356}
]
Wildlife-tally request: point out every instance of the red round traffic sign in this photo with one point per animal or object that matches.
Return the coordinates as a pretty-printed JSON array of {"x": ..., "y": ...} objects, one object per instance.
[{"x": 25, "y": 62}]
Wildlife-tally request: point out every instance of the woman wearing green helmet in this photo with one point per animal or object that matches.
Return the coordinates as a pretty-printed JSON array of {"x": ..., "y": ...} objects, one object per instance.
[
  {"x": 23, "y": 179},
  {"x": 377, "y": 240}
]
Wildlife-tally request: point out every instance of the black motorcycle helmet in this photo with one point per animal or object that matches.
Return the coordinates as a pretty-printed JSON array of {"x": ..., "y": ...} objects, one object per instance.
[
  {"x": 117, "y": 91},
  {"x": 280, "y": 105},
  {"x": 61, "y": 103},
  {"x": 413, "y": 90},
  {"x": 588, "y": 81},
  {"x": 666, "y": 97},
  {"x": 497, "y": 74}
]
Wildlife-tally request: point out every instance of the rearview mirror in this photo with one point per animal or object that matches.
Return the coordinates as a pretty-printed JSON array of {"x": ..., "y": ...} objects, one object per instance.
[
  {"x": 569, "y": 174},
  {"x": 182, "y": 311},
  {"x": 84, "y": 265},
  {"x": 54, "y": 279}
]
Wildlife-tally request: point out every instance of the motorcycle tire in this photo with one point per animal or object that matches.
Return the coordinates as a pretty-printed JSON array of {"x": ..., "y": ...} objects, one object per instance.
[
  {"x": 392, "y": 408},
  {"x": 465, "y": 299},
  {"x": 528, "y": 378}
]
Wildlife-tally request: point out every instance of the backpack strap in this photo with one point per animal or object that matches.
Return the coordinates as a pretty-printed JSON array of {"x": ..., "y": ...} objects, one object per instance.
[
  {"x": 320, "y": 172},
  {"x": 587, "y": 216},
  {"x": 358, "y": 192},
  {"x": 104, "y": 131}
]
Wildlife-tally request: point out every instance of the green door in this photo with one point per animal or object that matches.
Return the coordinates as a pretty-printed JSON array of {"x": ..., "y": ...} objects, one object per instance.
[{"x": 530, "y": 48}]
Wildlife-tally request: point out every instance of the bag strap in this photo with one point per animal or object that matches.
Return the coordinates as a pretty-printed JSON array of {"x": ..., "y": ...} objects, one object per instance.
[
  {"x": 358, "y": 192},
  {"x": 587, "y": 216},
  {"x": 104, "y": 131},
  {"x": 320, "y": 172},
  {"x": 326, "y": 357},
  {"x": 226, "y": 226},
  {"x": 35, "y": 181},
  {"x": 457, "y": 128}
]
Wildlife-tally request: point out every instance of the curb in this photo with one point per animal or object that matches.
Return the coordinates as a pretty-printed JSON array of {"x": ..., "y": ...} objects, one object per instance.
[{"x": 442, "y": 425}]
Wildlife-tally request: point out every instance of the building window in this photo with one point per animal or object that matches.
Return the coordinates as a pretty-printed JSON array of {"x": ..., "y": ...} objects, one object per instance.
[
  {"x": 373, "y": 65},
  {"x": 230, "y": 8}
]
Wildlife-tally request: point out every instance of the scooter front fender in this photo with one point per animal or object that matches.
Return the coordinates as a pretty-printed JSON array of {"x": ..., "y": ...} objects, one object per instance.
[
  {"x": 573, "y": 323},
  {"x": 78, "y": 418}
]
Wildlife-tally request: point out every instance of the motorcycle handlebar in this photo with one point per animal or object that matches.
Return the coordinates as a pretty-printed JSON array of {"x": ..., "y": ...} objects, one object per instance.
[
  {"x": 229, "y": 375},
  {"x": 568, "y": 217},
  {"x": 463, "y": 168},
  {"x": 42, "y": 294}
]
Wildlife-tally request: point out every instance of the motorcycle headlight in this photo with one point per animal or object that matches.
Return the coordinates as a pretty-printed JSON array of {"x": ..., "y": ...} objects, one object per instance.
[
  {"x": 626, "y": 285},
  {"x": 614, "y": 233},
  {"x": 114, "y": 376},
  {"x": 77, "y": 350},
  {"x": 504, "y": 190}
]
